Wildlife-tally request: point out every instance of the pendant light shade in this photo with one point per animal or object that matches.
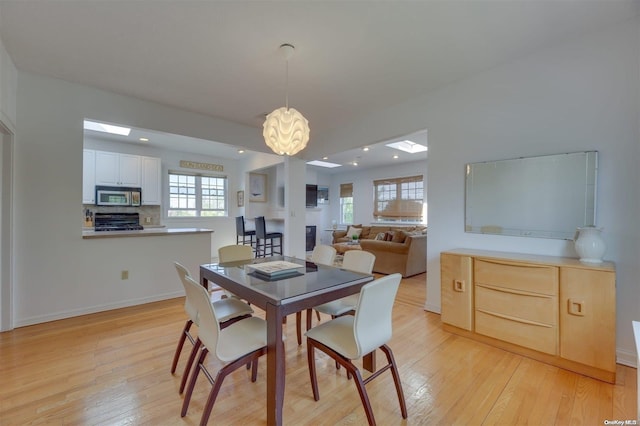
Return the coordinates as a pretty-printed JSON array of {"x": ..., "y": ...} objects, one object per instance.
[{"x": 285, "y": 130}]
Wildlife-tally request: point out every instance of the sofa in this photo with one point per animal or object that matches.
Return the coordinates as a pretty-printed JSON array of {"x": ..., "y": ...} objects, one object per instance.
[{"x": 397, "y": 249}]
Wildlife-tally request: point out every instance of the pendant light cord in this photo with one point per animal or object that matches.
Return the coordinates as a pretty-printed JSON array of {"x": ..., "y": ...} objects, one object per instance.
[{"x": 286, "y": 85}]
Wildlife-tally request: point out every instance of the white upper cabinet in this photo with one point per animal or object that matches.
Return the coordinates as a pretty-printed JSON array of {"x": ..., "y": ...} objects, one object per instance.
[
  {"x": 88, "y": 176},
  {"x": 117, "y": 169},
  {"x": 151, "y": 181}
]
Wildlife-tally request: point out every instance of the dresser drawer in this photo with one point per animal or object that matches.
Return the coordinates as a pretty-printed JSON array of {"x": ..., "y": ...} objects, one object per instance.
[
  {"x": 539, "y": 337},
  {"x": 533, "y": 307},
  {"x": 524, "y": 277}
]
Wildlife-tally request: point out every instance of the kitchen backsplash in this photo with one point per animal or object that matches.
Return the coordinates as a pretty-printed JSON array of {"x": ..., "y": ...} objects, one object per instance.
[{"x": 149, "y": 215}]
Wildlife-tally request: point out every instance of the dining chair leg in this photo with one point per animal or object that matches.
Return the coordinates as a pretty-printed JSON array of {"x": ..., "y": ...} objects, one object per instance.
[
  {"x": 309, "y": 316},
  {"x": 250, "y": 358},
  {"x": 362, "y": 391},
  {"x": 187, "y": 368},
  {"x": 183, "y": 337},
  {"x": 311, "y": 360},
  {"x": 299, "y": 327},
  {"x": 194, "y": 378},
  {"x": 215, "y": 389},
  {"x": 351, "y": 369},
  {"x": 396, "y": 378}
]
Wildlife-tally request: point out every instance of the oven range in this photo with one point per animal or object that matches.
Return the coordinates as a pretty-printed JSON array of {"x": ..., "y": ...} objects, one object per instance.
[{"x": 117, "y": 222}]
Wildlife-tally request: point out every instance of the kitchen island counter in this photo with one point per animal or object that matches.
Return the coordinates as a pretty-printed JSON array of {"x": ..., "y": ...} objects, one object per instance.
[{"x": 148, "y": 232}]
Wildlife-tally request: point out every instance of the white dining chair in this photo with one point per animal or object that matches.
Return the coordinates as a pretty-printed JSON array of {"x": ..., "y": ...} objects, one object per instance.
[
  {"x": 234, "y": 253},
  {"x": 350, "y": 337},
  {"x": 324, "y": 255},
  {"x": 354, "y": 260},
  {"x": 241, "y": 343},
  {"x": 228, "y": 311}
]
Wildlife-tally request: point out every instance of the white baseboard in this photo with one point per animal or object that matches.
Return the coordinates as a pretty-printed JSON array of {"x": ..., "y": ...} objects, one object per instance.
[
  {"x": 626, "y": 358},
  {"x": 93, "y": 309},
  {"x": 432, "y": 308}
]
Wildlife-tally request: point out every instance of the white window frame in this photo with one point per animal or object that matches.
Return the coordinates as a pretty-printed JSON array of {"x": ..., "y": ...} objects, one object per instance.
[{"x": 195, "y": 206}]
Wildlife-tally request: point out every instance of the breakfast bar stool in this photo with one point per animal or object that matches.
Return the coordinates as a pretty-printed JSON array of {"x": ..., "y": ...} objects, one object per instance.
[
  {"x": 242, "y": 234},
  {"x": 265, "y": 240}
]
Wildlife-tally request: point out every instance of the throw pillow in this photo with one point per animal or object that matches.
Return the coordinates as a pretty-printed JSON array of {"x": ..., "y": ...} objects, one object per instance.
[
  {"x": 380, "y": 236},
  {"x": 388, "y": 236},
  {"x": 399, "y": 237},
  {"x": 353, "y": 231}
]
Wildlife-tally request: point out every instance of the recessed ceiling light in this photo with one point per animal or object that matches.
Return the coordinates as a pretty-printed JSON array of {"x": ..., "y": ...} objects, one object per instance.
[
  {"x": 408, "y": 146},
  {"x": 395, "y": 156},
  {"x": 323, "y": 164},
  {"x": 144, "y": 139},
  {"x": 365, "y": 149},
  {"x": 241, "y": 151},
  {"x": 106, "y": 128},
  {"x": 355, "y": 163},
  {"x": 325, "y": 158}
]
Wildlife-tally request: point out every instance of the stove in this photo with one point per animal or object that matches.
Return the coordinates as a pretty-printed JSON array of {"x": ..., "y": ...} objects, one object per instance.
[{"x": 117, "y": 222}]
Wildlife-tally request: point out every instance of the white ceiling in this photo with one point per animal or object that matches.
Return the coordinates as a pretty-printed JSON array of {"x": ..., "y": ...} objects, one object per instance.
[{"x": 220, "y": 58}]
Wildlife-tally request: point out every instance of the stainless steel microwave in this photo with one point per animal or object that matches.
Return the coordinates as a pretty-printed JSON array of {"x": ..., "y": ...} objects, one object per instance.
[{"x": 117, "y": 196}]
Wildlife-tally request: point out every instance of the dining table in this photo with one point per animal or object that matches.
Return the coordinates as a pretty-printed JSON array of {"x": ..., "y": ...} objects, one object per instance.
[{"x": 299, "y": 289}]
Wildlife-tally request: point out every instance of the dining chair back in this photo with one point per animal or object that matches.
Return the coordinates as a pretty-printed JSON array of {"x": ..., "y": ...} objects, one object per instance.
[
  {"x": 323, "y": 254},
  {"x": 239, "y": 344},
  {"x": 266, "y": 240},
  {"x": 242, "y": 233},
  {"x": 234, "y": 253},
  {"x": 358, "y": 261},
  {"x": 353, "y": 260},
  {"x": 351, "y": 337}
]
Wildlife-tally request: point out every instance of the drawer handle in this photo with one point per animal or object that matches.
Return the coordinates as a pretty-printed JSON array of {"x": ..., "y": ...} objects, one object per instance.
[
  {"x": 576, "y": 307},
  {"x": 459, "y": 286}
]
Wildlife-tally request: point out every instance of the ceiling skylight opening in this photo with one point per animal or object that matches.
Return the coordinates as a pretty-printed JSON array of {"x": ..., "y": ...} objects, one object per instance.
[
  {"x": 106, "y": 128},
  {"x": 408, "y": 146},
  {"x": 323, "y": 164}
]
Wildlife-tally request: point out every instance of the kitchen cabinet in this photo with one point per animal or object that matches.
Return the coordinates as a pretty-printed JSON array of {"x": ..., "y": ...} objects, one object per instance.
[
  {"x": 116, "y": 169},
  {"x": 151, "y": 180},
  {"x": 88, "y": 176},
  {"x": 553, "y": 309}
]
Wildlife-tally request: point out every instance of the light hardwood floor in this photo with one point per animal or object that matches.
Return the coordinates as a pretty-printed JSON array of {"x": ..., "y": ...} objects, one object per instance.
[{"x": 112, "y": 368}]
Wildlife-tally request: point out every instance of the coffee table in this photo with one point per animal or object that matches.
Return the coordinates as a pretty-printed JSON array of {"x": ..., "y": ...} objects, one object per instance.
[{"x": 342, "y": 248}]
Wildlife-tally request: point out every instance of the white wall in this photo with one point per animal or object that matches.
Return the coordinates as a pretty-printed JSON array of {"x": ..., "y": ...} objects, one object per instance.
[
  {"x": 8, "y": 87},
  {"x": 581, "y": 94}
]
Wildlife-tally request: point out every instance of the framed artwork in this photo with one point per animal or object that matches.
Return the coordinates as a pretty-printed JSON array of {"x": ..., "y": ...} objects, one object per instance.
[
  {"x": 323, "y": 195},
  {"x": 240, "y": 198},
  {"x": 257, "y": 187}
]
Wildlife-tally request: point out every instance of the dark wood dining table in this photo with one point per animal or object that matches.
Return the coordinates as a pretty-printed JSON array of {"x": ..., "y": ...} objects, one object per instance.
[{"x": 311, "y": 285}]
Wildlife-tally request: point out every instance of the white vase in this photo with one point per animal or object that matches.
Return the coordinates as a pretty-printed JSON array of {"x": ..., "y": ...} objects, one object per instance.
[{"x": 589, "y": 245}]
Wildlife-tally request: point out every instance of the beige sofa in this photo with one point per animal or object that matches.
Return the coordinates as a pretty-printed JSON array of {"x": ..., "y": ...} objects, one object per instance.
[{"x": 405, "y": 253}]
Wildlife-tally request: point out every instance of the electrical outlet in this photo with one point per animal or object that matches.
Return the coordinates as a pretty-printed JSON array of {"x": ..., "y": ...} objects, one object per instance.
[
  {"x": 147, "y": 220},
  {"x": 124, "y": 275}
]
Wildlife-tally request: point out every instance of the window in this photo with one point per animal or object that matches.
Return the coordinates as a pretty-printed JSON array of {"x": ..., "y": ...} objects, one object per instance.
[
  {"x": 195, "y": 195},
  {"x": 398, "y": 199},
  {"x": 346, "y": 203}
]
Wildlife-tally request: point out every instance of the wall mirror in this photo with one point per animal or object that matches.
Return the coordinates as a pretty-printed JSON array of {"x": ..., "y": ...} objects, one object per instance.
[{"x": 544, "y": 197}]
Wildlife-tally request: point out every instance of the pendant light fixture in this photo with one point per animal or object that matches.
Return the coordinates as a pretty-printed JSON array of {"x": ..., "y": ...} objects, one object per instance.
[{"x": 285, "y": 130}]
